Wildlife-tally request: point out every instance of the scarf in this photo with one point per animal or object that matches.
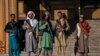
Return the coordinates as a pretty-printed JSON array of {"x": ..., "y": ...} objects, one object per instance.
[{"x": 84, "y": 26}]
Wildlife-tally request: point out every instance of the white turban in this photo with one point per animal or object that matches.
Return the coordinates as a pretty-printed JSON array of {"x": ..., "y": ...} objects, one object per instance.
[
  {"x": 31, "y": 12},
  {"x": 33, "y": 21}
]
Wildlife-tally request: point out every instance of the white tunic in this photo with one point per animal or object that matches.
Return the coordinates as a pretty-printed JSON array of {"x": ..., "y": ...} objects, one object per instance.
[{"x": 79, "y": 30}]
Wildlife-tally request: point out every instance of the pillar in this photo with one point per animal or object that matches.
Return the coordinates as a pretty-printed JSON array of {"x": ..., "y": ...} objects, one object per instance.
[{"x": 6, "y": 8}]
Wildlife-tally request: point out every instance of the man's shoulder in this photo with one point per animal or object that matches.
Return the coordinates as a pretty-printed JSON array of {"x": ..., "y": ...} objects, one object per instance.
[
  {"x": 36, "y": 20},
  {"x": 77, "y": 23},
  {"x": 8, "y": 23}
]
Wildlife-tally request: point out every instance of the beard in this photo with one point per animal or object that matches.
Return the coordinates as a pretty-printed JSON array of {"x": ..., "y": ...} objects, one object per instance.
[{"x": 12, "y": 19}]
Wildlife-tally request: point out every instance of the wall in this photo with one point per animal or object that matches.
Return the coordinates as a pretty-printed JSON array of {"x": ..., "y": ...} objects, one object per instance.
[{"x": 6, "y": 8}]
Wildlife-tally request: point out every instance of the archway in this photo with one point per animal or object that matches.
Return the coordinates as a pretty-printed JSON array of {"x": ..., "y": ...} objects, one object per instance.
[{"x": 96, "y": 14}]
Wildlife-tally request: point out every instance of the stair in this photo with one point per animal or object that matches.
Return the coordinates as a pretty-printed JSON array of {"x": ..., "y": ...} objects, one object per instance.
[{"x": 94, "y": 40}]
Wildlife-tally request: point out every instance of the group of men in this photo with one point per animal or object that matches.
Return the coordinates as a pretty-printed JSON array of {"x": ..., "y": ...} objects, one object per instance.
[{"x": 41, "y": 35}]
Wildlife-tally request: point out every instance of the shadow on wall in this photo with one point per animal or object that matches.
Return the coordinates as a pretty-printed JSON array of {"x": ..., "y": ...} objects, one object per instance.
[
  {"x": 72, "y": 24},
  {"x": 22, "y": 36}
]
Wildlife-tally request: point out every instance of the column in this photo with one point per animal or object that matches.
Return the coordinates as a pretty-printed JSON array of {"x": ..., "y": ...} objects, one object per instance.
[
  {"x": 2, "y": 26},
  {"x": 6, "y": 8}
]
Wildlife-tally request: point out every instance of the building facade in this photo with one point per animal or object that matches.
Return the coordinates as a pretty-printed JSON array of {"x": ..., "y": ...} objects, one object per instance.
[{"x": 21, "y": 7}]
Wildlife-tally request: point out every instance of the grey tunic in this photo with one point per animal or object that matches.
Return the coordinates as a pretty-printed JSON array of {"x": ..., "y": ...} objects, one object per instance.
[
  {"x": 30, "y": 37},
  {"x": 83, "y": 44},
  {"x": 82, "y": 41}
]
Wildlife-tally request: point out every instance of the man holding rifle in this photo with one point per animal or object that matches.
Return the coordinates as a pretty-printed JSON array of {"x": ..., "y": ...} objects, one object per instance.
[
  {"x": 31, "y": 27},
  {"x": 13, "y": 32},
  {"x": 83, "y": 33}
]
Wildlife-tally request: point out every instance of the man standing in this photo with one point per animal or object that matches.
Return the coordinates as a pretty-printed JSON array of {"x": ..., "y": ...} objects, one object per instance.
[
  {"x": 83, "y": 33},
  {"x": 12, "y": 30},
  {"x": 46, "y": 38},
  {"x": 31, "y": 27},
  {"x": 62, "y": 27}
]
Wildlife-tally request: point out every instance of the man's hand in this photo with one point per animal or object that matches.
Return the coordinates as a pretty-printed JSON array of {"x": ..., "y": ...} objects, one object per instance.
[
  {"x": 46, "y": 23},
  {"x": 85, "y": 37},
  {"x": 28, "y": 27},
  {"x": 12, "y": 31},
  {"x": 37, "y": 36}
]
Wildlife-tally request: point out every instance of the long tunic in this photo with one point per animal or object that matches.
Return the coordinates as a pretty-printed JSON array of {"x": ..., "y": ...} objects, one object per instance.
[
  {"x": 30, "y": 36},
  {"x": 12, "y": 38},
  {"x": 46, "y": 40},
  {"x": 82, "y": 40},
  {"x": 60, "y": 38}
]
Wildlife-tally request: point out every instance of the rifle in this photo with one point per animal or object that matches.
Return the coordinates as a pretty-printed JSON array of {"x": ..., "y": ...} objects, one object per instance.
[
  {"x": 31, "y": 29},
  {"x": 49, "y": 28},
  {"x": 60, "y": 29},
  {"x": 14, "y": 32},
  {"x": 27, "y": 21}
]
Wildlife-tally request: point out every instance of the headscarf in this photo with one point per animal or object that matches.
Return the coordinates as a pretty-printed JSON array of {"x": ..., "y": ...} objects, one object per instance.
[
  {"x": 30, "y": 13},
  {"x": 81, "y": 16},
  {"x": 33, "y": 21}
]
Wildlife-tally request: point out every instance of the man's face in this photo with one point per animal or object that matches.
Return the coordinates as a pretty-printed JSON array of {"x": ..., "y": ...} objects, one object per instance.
[
  {"x": 46, "y": 13},
  {"x": 12, "y": 17},
  {"x": 62, "y": 21},
  {"x": 81, "y": 19},
  {"x": 59, "y": 15},
  {"x": 30, "y": 15}
]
